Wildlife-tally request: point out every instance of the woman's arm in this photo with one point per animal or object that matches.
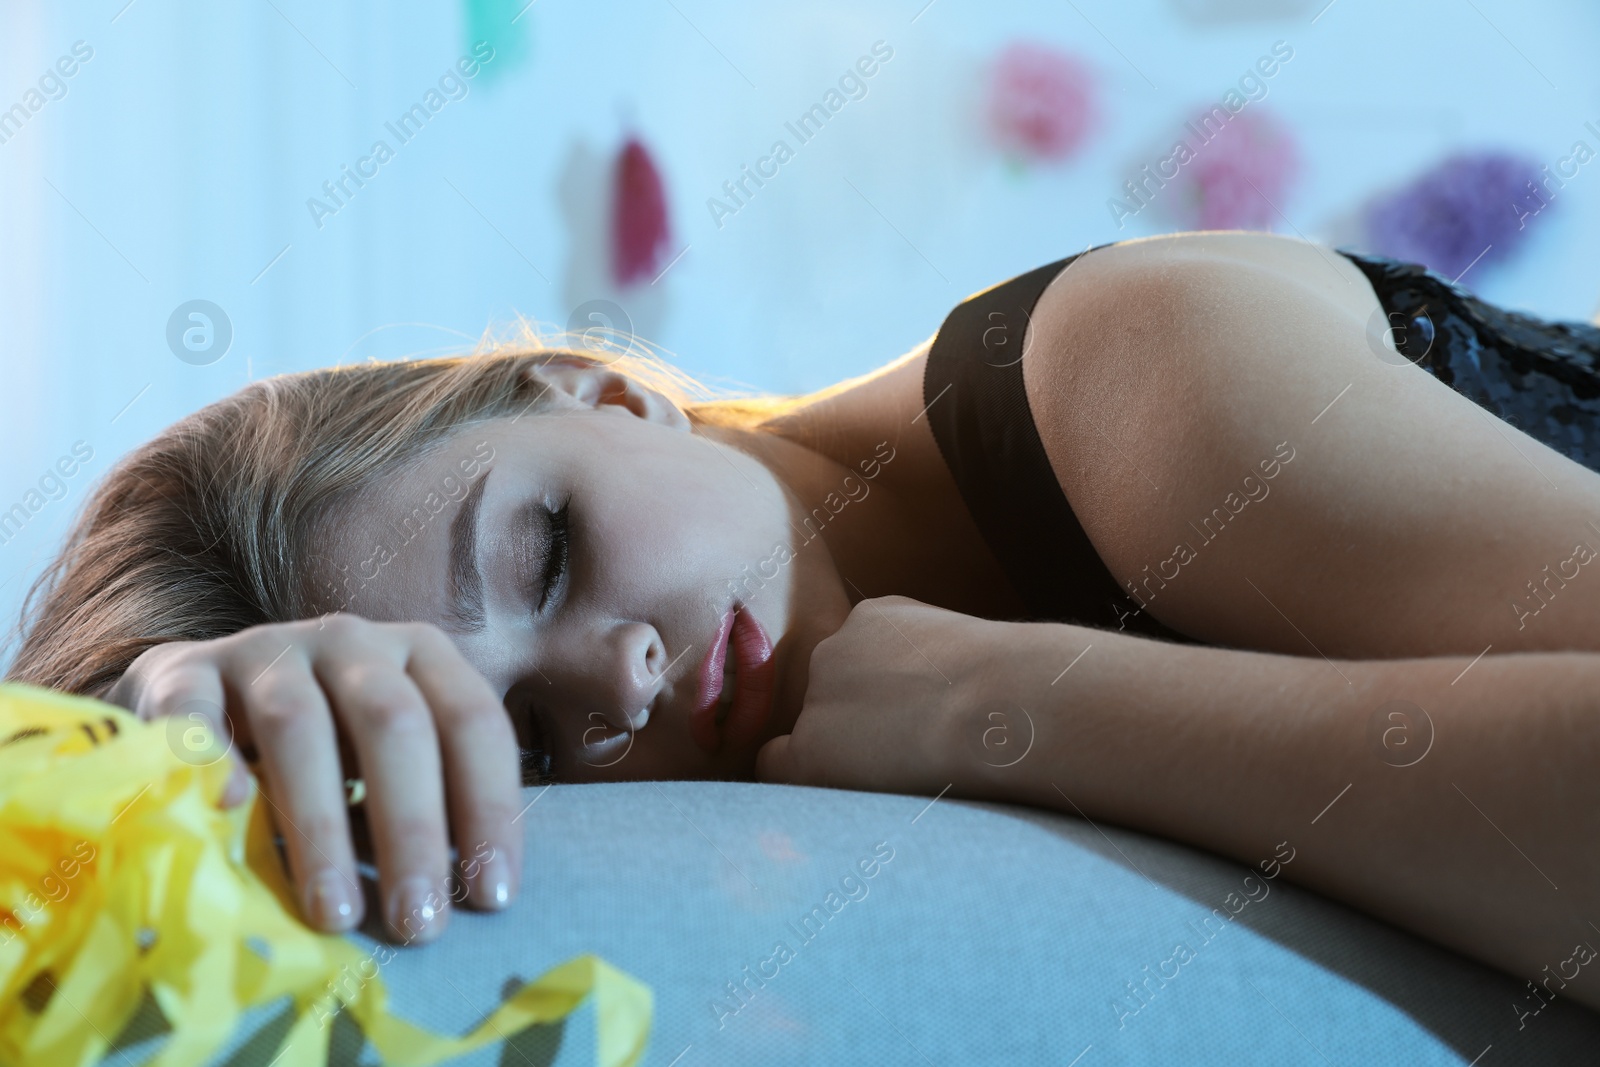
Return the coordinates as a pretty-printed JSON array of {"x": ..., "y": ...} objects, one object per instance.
[
  {"x": 1462, "y": 806},
  {"x": 1470, "y": 818}
]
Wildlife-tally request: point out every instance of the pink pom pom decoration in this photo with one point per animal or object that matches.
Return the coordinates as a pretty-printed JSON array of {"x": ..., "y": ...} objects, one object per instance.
[
  {"x": 639, "y": 233},
  {"x": 1040, "y": 102},
  {"x": 1239, "y": 176}
]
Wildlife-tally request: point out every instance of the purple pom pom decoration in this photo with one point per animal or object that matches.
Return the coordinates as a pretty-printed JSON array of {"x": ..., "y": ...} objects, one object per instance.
[
  {"x": 1469, "y": 205},
  {"x": 1040, "y": 102}
]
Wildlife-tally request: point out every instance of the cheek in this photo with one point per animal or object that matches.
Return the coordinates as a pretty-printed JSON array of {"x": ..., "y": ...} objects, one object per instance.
[
  {"x": 697, "y": 509},
  {"x": 675, "y": 519}
]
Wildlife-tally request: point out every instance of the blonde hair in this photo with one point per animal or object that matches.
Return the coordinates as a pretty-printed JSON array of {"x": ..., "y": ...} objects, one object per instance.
[{"x": 204, "y": 531}]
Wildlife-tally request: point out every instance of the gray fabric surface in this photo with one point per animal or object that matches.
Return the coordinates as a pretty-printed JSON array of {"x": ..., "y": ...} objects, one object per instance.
[{"x": 995, "y": 934}]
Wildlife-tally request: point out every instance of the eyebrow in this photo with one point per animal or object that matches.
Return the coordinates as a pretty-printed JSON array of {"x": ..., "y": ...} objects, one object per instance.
[{"x": 464, "y": 612}]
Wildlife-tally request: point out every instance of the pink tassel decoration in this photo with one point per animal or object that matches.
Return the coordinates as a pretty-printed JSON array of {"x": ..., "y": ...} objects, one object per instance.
[
  {"x": 1040, "y": 102},
  {"x": 638, "y": 217}
]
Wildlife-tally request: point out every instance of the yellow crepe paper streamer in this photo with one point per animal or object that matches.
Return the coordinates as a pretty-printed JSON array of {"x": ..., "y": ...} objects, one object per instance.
[{"x": 119, "y": 872}]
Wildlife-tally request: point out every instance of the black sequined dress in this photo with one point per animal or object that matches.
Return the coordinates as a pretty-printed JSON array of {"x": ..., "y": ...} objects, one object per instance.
[{"x": 1542, "y": 377}]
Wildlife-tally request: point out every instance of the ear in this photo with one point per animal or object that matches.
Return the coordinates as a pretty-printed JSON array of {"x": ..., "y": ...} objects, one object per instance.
[{"x": 596, "y": 386}]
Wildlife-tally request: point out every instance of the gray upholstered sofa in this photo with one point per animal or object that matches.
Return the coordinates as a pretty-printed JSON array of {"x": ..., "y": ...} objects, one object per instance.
[{"x": 984, "y": 933}]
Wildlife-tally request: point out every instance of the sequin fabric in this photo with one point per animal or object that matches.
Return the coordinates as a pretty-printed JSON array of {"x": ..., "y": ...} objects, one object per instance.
[{"x": 1541, "y": 376}]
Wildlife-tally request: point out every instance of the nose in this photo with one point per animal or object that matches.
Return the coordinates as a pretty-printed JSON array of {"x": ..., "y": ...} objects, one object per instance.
[{"x": 627, "y": 673}]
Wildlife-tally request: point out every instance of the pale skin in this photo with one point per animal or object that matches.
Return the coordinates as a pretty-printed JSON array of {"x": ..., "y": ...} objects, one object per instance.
[{"x": 1381, "y": 567}]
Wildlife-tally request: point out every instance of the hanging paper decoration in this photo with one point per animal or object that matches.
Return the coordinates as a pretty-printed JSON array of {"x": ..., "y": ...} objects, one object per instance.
[
  {"x": 506, "y": 26},
  {"x": 639, "y": 234},
  {"x": 1230, "y": 175},
  {"x": 1040, "y": 103},
  {"x": 1468, "y": 205}
]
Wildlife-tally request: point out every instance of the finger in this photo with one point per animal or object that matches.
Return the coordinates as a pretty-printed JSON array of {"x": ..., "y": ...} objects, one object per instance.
[
  {"x": 188, "y": 705},
  {"x": 772, "y": 760},
  {"x": 483, "y": 775},
  {"x": 389, "y": 722},
  {"x": 293, "y": 730}
]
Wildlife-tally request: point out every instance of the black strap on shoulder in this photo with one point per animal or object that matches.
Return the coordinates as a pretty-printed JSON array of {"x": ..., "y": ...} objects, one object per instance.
[{"x": 978, "y": 411}]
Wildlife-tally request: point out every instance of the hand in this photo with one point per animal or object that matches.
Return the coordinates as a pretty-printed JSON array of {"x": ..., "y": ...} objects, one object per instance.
[
  {"x": 887, "y": 700},
  {"x": 424, "y": 728}
]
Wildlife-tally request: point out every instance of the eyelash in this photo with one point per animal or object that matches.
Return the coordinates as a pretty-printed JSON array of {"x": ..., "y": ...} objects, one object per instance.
[
  {"x": 536, "y": 766},
  {"x": 560, "y": 546}
]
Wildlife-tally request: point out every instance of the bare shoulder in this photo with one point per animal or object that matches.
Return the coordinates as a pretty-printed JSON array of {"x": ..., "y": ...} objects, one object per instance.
[
  {"x": 1159, "y": 371},
  {"x": 1213, "y": 408},
  {"x": 1139, "y": 347}
]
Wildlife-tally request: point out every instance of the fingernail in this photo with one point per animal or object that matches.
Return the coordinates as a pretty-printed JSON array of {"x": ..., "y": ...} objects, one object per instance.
[
  {"x": 328, "y": 900},
  {"x": 492, "y": 887},
  {"x": 414, "y": 909}
]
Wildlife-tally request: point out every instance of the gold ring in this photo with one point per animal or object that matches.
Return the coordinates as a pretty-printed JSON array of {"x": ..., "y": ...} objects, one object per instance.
[{"x": 355, "y": 791}]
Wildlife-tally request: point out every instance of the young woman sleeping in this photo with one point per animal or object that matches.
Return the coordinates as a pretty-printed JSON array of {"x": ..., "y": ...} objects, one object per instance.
[{"x": 1293, "y": 548}]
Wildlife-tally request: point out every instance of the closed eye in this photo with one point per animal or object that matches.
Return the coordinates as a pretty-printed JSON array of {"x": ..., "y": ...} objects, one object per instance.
[{"x": 558, "y": 547}]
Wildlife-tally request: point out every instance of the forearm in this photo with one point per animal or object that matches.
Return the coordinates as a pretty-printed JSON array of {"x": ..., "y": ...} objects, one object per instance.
[{"x": 1485, "y": 843}]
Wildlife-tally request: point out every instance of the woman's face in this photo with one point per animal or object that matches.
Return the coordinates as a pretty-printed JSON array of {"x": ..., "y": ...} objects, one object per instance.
[{"x": 612, "y": 545}]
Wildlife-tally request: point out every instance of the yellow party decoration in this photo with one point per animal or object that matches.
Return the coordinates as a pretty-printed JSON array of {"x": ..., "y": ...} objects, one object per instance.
[{"x": 120, "y": 873}]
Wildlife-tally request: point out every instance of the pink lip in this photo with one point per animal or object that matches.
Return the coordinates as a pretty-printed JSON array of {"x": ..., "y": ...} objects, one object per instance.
[{"x": 740, "y": 632}]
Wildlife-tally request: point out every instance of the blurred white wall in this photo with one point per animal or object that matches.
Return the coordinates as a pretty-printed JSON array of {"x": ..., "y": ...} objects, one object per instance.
[{"x": 177, "y": 164}]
